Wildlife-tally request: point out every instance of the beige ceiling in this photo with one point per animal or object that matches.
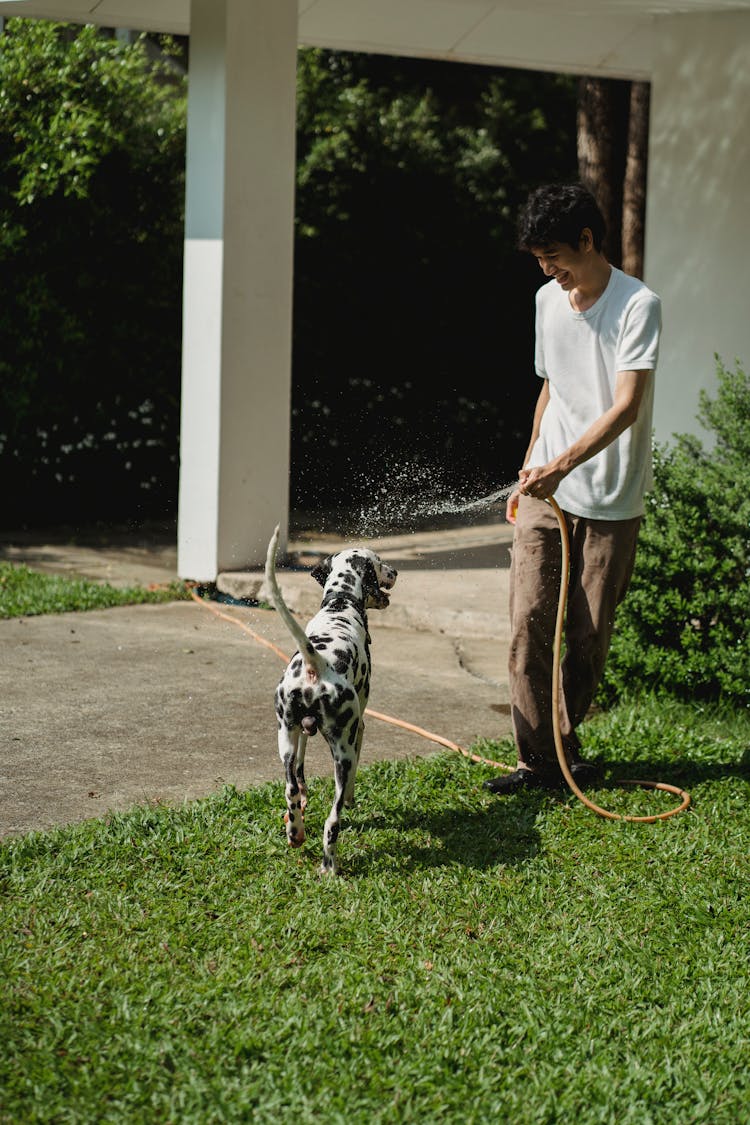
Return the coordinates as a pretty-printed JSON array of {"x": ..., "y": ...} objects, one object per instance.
[{"x": 612, "y": 37}]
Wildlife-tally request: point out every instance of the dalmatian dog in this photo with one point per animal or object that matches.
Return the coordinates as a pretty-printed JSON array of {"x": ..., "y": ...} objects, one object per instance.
[{"x": 326, "y": 684}]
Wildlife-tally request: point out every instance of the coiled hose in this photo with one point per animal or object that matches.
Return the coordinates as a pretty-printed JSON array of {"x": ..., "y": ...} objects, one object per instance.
[{"x": 556, "y": 660}]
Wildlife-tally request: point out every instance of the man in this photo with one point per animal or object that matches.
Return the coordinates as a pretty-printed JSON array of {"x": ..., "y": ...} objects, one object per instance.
[{"x": 597, "y": 342}]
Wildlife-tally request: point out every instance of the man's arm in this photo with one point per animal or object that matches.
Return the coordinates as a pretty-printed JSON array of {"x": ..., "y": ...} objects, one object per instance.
[
  {"x": 539, "y": 409},
  {"x": 542, "y": 481}
]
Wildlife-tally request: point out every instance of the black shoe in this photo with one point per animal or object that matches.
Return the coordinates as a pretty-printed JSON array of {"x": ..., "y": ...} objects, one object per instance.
[
  {"x": 585, "y": 774},
  {"x": 520, "y": 779}
]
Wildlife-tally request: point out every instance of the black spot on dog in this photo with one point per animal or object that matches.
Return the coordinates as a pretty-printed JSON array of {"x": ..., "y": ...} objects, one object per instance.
[
  {"x": 333, "y": 835},
  {"x": 342, "y": 721},
  {"x": 339, "y": 603},
  {"x": 343, "y": 660}
]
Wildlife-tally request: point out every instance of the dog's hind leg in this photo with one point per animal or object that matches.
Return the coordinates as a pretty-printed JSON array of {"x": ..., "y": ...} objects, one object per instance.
[
  {"x": 343, "y": 765},
  {"x": 299, "y": 770},
  {"x": 355, "y": 737},
  {"x": 288, "y": 750}
]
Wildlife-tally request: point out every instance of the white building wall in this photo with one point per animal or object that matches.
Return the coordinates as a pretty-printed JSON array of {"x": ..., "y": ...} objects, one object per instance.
[{"x": 698, "y": 220}]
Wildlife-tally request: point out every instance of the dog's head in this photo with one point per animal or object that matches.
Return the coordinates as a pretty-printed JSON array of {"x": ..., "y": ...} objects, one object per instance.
[{"x": 358, "y": 571}]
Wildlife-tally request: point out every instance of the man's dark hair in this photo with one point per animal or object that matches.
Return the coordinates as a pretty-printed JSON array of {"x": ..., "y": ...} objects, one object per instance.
[{"x": 559, "y": 213}]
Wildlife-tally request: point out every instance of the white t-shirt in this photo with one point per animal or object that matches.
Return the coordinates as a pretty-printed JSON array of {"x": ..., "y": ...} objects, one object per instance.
[{"x": 580, "y": 354}]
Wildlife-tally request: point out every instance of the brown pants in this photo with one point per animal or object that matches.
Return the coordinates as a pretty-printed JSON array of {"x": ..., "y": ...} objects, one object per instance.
[{"x": 602, "y": 554}]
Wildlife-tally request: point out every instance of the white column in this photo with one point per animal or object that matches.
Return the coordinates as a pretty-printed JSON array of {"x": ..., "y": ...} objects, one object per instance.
[
  {"x": 697, "y": 230},
  {"x": 237, "y": 299}
]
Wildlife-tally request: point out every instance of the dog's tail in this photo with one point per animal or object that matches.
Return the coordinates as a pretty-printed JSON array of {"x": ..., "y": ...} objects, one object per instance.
[{"x": 314, "y": 661}]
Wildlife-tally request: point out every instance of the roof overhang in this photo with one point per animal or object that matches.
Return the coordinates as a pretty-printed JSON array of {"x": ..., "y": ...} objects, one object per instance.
[{"x": 607, "y": 37}]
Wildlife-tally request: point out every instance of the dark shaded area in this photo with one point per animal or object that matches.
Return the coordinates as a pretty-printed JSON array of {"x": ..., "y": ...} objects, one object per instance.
[{"x": 413, "y": 320}]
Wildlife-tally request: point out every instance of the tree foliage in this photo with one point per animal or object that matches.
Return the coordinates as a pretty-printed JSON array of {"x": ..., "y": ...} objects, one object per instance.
[
  {"x": 683, "y": 628},
  {"x": 91, "y": 190}
]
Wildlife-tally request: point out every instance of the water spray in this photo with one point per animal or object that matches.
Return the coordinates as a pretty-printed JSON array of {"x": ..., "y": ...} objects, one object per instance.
[{"x": 416, "y": 492}]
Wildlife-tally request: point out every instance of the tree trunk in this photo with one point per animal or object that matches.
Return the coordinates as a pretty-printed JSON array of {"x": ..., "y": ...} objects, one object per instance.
[
  {"x": 634, "y": 186},
  {"x": 602, "y": 126}
]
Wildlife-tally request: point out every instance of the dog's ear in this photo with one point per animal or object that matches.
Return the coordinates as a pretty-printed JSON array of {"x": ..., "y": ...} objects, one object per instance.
[
  {"x": 322, "y": 571},
  {"x": 381, "y": 600},
  {"x": 375, "y": 598}
]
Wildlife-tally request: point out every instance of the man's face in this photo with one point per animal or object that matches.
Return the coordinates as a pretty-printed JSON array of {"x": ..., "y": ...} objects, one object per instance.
[{"x": 562, "y": 262}]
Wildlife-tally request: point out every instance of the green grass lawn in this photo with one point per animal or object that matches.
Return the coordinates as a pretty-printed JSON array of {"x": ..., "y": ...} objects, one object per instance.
[
  {"x": 25, "y": 593},
  {"x": 509, "y": 960}
]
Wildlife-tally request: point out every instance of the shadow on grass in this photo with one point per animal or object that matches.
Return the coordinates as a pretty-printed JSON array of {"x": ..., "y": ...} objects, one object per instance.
[
  {"x": 503, "y": 833},
  {"x": 675, "y": 771}
]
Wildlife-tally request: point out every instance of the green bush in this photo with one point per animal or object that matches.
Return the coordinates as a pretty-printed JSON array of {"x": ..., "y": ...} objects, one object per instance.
[{"x": 683, "y": 628}]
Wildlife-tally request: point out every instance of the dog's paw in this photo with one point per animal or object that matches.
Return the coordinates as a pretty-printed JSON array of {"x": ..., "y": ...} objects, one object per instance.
[{"x": 295, "y": 836}]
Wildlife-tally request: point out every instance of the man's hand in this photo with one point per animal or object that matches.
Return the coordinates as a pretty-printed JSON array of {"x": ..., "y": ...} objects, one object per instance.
[
  {"x": 540, "y": 482},
  {"x": 511, "y": 506}
]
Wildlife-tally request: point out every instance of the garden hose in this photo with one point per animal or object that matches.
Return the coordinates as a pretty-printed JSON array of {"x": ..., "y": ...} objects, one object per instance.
[{"x": 556, "y": 659}]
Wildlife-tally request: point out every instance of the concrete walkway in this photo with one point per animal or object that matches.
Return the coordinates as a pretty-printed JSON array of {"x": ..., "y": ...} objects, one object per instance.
[{"x": 111, "y": 708}]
